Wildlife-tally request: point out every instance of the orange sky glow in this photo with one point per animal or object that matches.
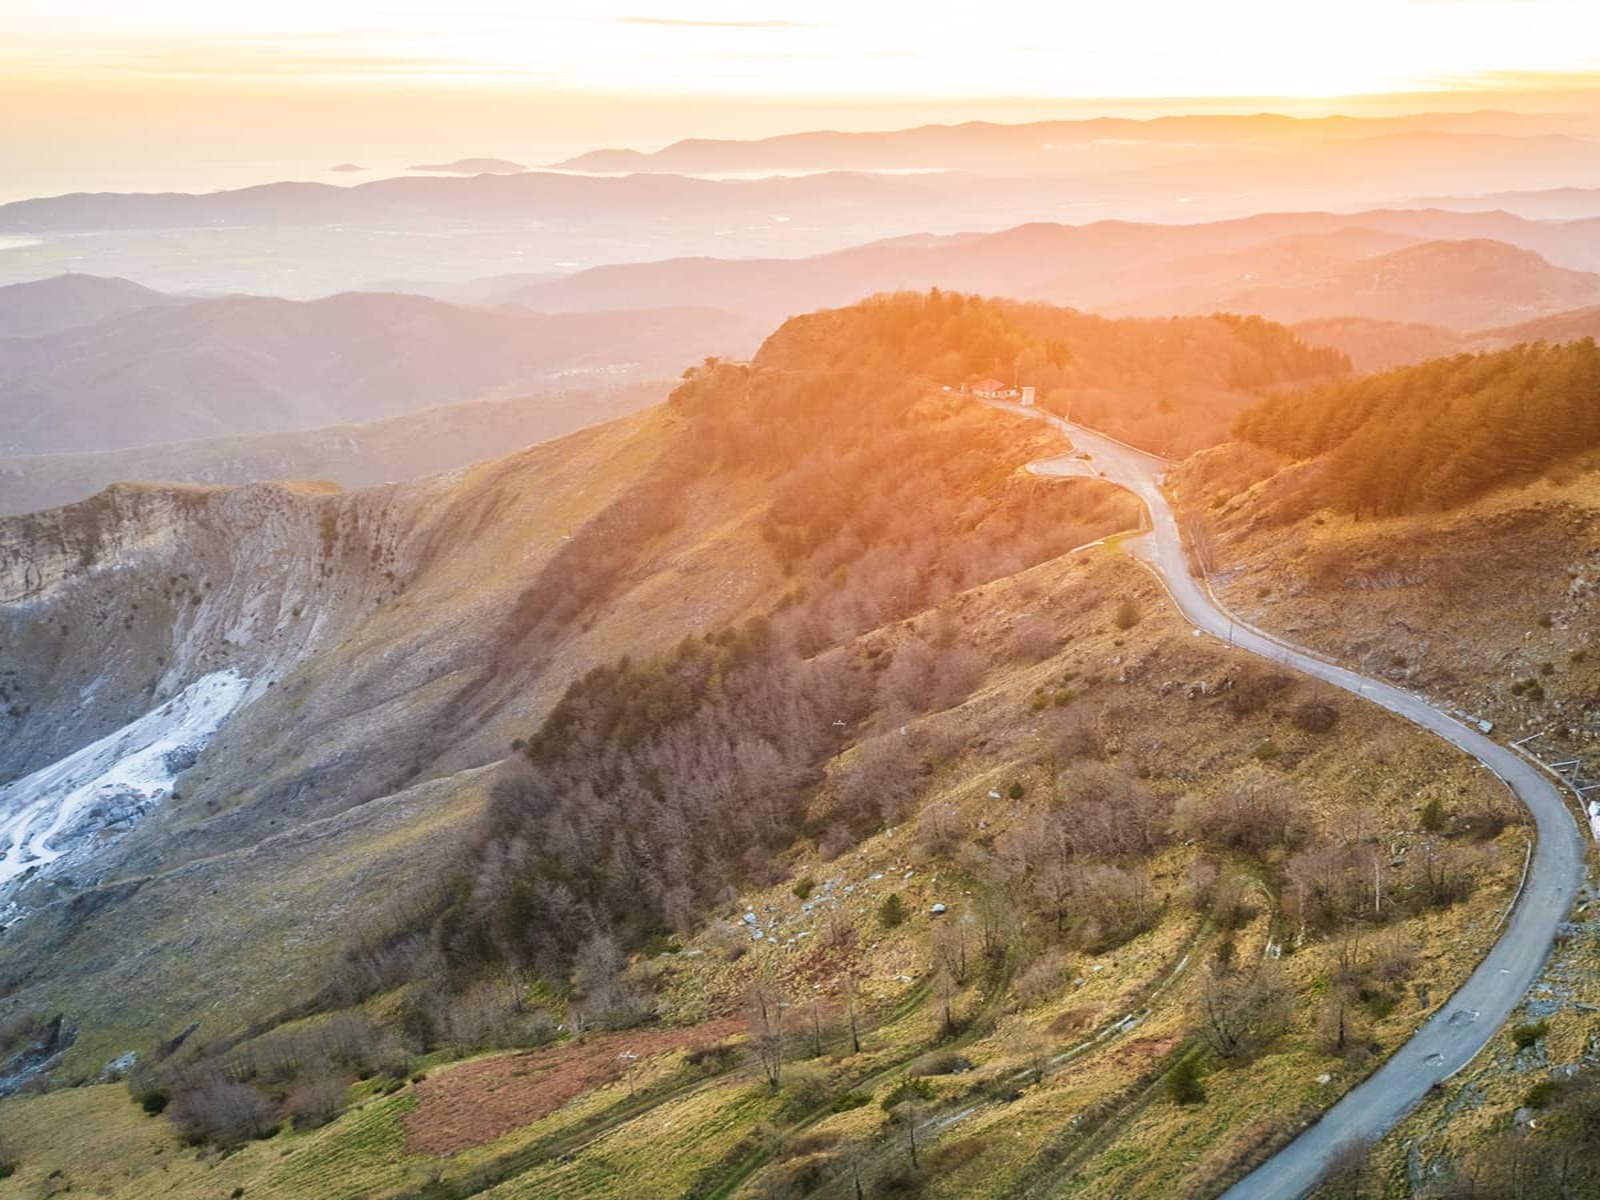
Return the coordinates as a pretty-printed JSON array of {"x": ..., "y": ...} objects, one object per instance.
[
  {"x": 102, "y": 79},
  {"x": 824, "y": 47}
]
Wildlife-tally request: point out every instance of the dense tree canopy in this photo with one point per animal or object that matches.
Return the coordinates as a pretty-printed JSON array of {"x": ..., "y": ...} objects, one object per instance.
[
  {"x": 1172, "y": 384},
  {"x": 1439, "y": 433}
]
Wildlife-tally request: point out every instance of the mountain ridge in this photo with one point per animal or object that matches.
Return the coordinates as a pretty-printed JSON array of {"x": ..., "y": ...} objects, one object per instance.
[
  {"x": 1108, "y": 264},
  {"x": 256, "y": 364}
]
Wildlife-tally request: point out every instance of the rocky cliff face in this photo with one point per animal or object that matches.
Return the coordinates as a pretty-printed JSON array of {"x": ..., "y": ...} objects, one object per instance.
[
  {"x": 136, "y": 625},
  {"x": 111, "y": 607}
]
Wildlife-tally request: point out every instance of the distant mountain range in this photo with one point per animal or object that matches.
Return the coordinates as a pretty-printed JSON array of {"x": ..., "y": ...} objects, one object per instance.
[
  {"x": 1553, "y": 204},
  {"x": 1376, "y": 345},
  {"x": 1059, "y": 147},
  {"x": 1296, "y": 261},
  {"x": 1459, "y": 284},
  {"x": 68, "y": 301},
  {"x": 169, "y": 372},
  {"x": 304, "y": 239},
  {"x": 413, "y": 201},
  {"x": 472, "y": 166},
  {"x": 309, "y": 239},
  {"x": 396, "y": 448}
]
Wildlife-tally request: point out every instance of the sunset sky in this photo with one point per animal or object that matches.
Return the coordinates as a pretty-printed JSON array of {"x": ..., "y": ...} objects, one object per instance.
[
  {"x": 828, "y": 47},
  {"x": 293, "y": 78}
]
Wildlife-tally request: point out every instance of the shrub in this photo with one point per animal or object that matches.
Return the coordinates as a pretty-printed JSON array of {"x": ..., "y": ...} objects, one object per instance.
[
  {"x": 955, "y": 1154},
  {"x": 315, "y": 1102},
  {"x": 939, "y": 1062},
  {"x": 154, "y": 1101},
  {"x": 906, "y": 1089},
  {"x": 892, "y": 912},
  {"x": 849, "y": 1101},
  {"x": 713, "y": 1059},
  {"x": 810, "y": 1143},
  {"x": 1015, "y": 791},
  {"x": 218, "y": 1110},
  {"x": 1266, "y": 751},
  {"x": 939, "y": 832},
  {"x": 1127, "y": 614},
  {"x": 1313, "y": 717},
  {"x": 1529, "y": 1032},
  {"x": 1042, "y": 980},
  {"x": 1183, "y": 1084},
  {"x": 1395, "y": 959},
  {"x": 803, "y": 887},
  {"x": 1255, "y": 810},
  {"x": 805, "y": 1085},
  {"x": 1432, "y": 818},
  {"x": 1486, "y": 819},
  {"x": 1379, "y": 1003},
  {"x": 1541, "y": 1094},
  {"x": 1253, "y": 687}
]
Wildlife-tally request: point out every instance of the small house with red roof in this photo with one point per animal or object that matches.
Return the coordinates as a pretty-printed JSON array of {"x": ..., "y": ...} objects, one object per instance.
[{"x": 993, "y": 389}]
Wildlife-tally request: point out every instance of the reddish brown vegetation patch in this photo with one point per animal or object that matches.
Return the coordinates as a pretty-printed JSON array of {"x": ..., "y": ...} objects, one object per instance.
[
  {"x": 477, "y": 1102},
  {"x": 1141, "y": 1052},
  {"x": 1074, "y": 1020}
]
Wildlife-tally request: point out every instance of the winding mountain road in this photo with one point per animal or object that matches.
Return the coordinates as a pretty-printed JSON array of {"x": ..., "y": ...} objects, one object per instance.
[{"x": 1463, "y": 1025}]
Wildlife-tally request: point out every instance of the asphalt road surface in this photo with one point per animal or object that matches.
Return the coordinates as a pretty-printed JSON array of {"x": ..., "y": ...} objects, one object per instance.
[{"x": 1463, "y": 1025}]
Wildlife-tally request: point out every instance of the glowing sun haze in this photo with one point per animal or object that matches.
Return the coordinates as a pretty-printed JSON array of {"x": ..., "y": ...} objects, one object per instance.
[
  {"x": 202, "y": 93},
  {"x": 822, "y": 48}
]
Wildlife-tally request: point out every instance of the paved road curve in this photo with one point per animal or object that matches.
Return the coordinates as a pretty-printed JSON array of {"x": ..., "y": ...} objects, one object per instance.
[{"x": 1449, "y": 1039}]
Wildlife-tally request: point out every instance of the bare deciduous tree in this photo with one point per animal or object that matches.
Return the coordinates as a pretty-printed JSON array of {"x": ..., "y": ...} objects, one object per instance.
[
  {"x": 1242, "y": 1014},
  {"x": 765, "y": 1011}
]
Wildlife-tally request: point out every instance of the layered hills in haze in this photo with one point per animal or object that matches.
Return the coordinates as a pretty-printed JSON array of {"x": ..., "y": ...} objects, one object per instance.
[
  {"x": 425, "y": 442},
  {"x": 1330, "y": 264},
  {"x": 153, "y": 373},
  {"x": 305, "y": 239},
  {"x": 68, "y": 301},
  {"x": 1059, "y": 147}
]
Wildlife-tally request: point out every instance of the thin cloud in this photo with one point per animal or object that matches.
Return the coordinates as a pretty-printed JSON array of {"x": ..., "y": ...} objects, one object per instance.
[
  {"x": 689, "y": 23},
  {"x": 1521, "y": 81}
]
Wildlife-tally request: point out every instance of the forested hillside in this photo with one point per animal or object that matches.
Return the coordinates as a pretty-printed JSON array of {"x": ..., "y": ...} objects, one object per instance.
[
  {"x": 1171, "y": 384},
  {"x": 788, "y": 722},
  {"x": 1436, "y": 434}
]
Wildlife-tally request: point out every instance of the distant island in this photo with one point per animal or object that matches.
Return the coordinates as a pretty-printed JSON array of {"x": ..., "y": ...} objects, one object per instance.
[
  {"x": 346, "y": 167},
  {"x": 473, "y": 166}
]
